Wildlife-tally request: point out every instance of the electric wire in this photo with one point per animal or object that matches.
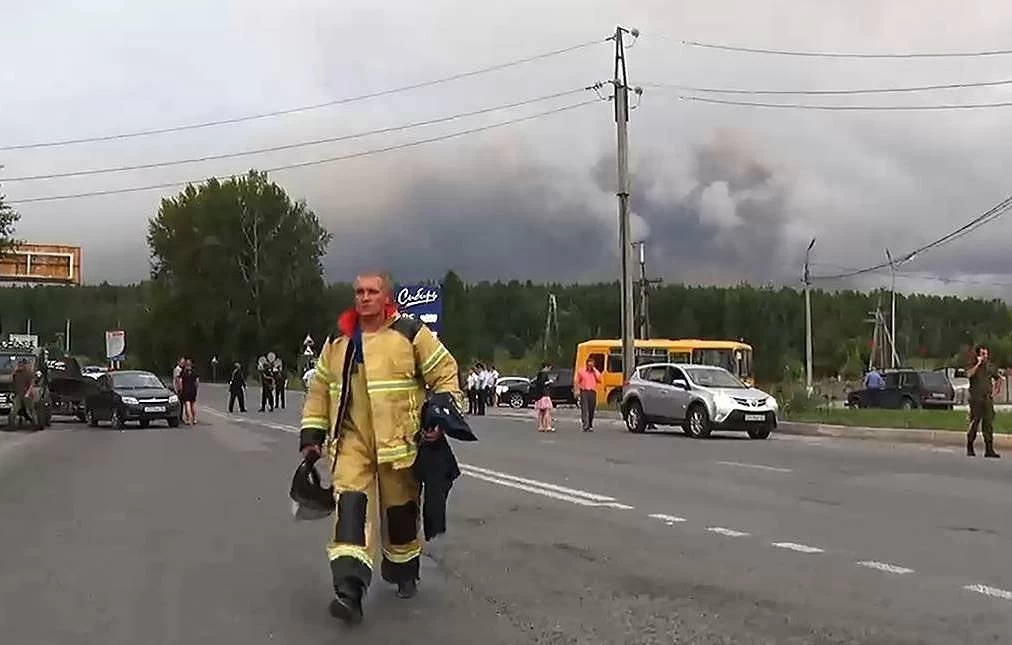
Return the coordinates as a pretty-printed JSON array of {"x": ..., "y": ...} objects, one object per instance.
[
  {"x": 315, "y": 162},
  {"x": 292, "y": 146},
  {"x": 305, "y": 108},
  {"x": 834, "y": 92},
  {"x": 823, "y": 54},
  {"x": 849, "y": 108}
]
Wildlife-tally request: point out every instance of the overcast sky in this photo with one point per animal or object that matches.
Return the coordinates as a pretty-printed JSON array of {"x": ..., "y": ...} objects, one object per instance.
[{"x": 721, "y": 194}]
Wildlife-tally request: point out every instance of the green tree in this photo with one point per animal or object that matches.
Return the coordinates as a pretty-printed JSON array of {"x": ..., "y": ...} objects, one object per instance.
[
  {"x": 8, "y": 218},
  {"x": 236, "y": 272}
]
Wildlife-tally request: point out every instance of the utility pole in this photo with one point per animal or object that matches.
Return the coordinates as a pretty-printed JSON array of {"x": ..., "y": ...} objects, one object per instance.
[
  {"x": 644, "y": 287},
  {"x": 621, "y": 97},
  {"x": 892, "y": 316},
  {"x": 67, "y": 338},
  {"x": 808, "y": 319}
]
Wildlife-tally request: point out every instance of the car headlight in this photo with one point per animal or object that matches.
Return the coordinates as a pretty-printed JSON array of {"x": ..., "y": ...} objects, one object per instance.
[
  {"x": 723, "y": 402},
  {"x": 772, "y": 402},
  {"x": 173, "y": 398},
  {"x": 129, "y": 400}
]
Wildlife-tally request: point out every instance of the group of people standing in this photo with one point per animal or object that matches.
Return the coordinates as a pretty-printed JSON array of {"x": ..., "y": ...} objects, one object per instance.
[
  {"x": 185, "y": 383},
  {"x": 273, "y": 385},
  {"x": 480, "y": 385}
]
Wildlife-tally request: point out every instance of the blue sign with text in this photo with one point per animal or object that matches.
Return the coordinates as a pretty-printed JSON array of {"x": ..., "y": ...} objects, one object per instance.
[{"x": 421, "y": 301}]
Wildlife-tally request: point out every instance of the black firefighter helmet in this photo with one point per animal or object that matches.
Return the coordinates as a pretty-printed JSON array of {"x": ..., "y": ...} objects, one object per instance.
[{"x": 311, "y": 499}]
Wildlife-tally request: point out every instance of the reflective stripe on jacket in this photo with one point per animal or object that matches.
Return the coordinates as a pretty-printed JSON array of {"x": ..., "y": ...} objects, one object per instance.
[{"x": 398, "y": 371}]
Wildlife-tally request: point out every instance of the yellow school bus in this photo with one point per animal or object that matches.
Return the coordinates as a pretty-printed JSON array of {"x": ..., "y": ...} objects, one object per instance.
[{"x": 734, "y": 356}]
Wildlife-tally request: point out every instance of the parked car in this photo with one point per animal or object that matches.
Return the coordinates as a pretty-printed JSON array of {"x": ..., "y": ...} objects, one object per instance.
[
  {"x": 133, "y": 395},
  {"x": 512, "y": 391},
  {"x": 698, "y": 398},
  {"x": 907, "y": 389},
  {"x": 69, "y": 387},
  {"x": 560, "y": 387},
  {"x": 94, "y": 371}
]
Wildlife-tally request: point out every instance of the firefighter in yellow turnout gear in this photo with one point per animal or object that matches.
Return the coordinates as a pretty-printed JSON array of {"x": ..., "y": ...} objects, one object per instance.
[{"x": 363, "y": 408}]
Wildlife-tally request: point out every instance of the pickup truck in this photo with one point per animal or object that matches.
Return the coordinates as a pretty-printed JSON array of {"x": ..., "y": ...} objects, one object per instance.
[{"x": 69, "y": 387}]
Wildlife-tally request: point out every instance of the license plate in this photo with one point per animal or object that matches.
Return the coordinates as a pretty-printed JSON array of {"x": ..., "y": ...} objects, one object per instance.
[
  {"x": 155, "y": 408},
  {"x": 755, "y": 417}
]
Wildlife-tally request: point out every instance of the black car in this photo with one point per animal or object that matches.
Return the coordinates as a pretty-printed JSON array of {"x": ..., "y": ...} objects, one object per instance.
[
  {"x": 907, "y": 389},
  {"x": 517, "y": 392},
  {"x": 132, "y": 396}
]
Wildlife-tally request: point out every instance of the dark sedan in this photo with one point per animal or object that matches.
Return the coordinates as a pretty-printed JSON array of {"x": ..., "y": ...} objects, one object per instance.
[
  {"x": 132, "y": 396},
  {"x": 907, "y": 389},
  {"x": 516, "y": 392}
]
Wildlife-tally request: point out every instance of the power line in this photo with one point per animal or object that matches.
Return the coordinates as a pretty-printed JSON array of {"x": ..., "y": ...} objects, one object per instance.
[
  {"x": 315, "y": 162},
  {"x": 816, "y": 54},
  {"x": 850, "y": 108},
  {"x": 986, "y": 217},
  {"x": 921, "y": 275},
  {"x": 292, "y": 146},
  {"x": 306, "y": 108},
  {"x": 876, "y": 90}
]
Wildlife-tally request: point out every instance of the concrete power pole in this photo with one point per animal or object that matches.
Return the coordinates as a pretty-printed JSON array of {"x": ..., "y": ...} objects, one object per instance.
[
  {"x": 621, "y": 97},
  {"x": 644, "y": 288},
  {"x": 895, "y": 359},
  {"x": 808, "y": 319}
]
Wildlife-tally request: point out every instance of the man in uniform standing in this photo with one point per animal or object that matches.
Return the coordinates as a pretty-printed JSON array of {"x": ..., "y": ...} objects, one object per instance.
[
  {"x": 983, "y": 382},
  {"x": 364, "y": 409},
  {"x": 23, "y": 379}
]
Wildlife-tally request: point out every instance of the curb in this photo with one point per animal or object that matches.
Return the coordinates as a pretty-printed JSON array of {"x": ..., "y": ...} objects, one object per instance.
[{"x": 894, "y": 435}]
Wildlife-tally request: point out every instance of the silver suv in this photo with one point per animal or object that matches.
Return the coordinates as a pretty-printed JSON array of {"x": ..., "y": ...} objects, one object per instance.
[{"x": 700, "y": 398}]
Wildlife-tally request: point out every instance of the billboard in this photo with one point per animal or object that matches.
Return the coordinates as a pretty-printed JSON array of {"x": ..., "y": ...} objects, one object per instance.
[
  {"x": 115, "y": 344},
  {"x": 41, "y": 263},
  {"x": 422, "y": 301}
]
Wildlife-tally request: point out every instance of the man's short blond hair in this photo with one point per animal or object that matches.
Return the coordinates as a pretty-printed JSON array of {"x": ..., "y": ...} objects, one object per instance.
[{"x": 384, "y": 277}]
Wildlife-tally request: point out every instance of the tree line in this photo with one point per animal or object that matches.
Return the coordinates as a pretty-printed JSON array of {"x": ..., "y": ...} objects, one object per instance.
[{"x": 236, "y": 271}]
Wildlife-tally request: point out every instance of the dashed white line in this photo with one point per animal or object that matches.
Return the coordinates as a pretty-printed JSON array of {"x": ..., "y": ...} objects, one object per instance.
[
  {"x": 775, "y": 469},
  {"x": 994, "y": 592},
  {"x": 801, "y": 548},
  {"x": 720, "y": 530},
  {"x": 547, "y": 493},
  {"x": 884, "y": 566},
  {"x": 533, "y": 482},
  {"x": 668, "y": 519}
]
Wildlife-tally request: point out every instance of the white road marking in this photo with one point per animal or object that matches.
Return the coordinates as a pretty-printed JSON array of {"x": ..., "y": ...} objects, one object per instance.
[
  {"x": 888, "y": 568},
  {"x": 994, "y": 592},
  {"x": 533, "y": 482},
  {"x": 720, "y": 530},
  {"x": 797, "y": 547},
  {"x": 669, "y": 519},
  {"x": 757, "y": 466},
  {"x": 547, "y": 493}
]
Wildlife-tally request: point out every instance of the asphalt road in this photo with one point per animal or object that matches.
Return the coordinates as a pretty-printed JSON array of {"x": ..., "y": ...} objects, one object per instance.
[{"x": 184, "y": 536}]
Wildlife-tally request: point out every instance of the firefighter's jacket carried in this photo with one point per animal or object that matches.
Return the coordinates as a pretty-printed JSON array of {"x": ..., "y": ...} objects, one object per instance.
[{"x": 400, "y": 362}]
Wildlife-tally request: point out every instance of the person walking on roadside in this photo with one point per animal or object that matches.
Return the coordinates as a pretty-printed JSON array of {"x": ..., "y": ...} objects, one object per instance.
[
  {"x": 587, "y": 380},
  {"x": 493, "y": 379},
  {"x": 364, "y": 410},
  {"x": 188, "y": 395},
  {"x": 266, "y": 389},
  {"x": 473, "y": 385},
  {"x": 543, "y": 399},
  {"x": 479, "y": 393},
  {"x": 23, "y": 405},
  {"x": 177, "y": 374},
  {"x": 237, "y": 389},
  {"x": 983, "y": 383},
  {"x": 280, "y": 385}
]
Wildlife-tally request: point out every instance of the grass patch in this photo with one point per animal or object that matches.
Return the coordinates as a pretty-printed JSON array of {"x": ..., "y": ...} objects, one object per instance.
[{"x": 953, "y": 420}]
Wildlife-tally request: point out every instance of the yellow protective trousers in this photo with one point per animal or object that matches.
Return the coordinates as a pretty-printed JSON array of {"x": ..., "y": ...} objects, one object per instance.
[{"x": 367, "y": 491}]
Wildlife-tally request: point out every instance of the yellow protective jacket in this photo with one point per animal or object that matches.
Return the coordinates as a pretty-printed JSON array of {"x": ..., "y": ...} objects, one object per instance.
[{"x": 401, "y": 361}]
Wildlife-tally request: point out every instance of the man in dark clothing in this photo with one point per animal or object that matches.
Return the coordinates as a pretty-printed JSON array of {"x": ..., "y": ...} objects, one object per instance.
[
  {"x": 280, "y": 385},
  {"x": 983, "y": 381},
  {"x": 266, "y": 389},
  {"x": 236, "y": 389},
  {"x": 23, "y": 405}
]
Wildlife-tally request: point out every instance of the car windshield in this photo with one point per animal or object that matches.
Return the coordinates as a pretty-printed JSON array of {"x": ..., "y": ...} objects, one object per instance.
[
  {"x": 9, "y": 363},
  {"x": 934, "y": 379},
  {"x": 136, "y": 381},
  {"x": 713, "y": 377}
]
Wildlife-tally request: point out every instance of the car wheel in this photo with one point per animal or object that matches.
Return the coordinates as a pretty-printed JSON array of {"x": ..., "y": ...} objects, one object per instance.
[
  {"x": 907, "y": 403},
  {"x": 82, "y": 417},
  {"x": 173, "y": 422},
  {"x": 92, "y": 418},
  {"x": 760, "y": 433},
  {"x": 145, "y": 423},
  {"x": 614, "y": 398},
  {"x": 117, "y": 419},
  {"x": 697, "y": 423},
  {"x": 516, "y": 400},
  {"x": 635, "y": 420}
]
